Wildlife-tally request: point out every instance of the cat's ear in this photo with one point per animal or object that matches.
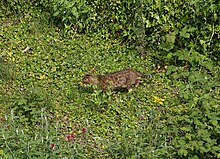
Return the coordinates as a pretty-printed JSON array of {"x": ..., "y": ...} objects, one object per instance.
[{"x": 93, "y": 70}]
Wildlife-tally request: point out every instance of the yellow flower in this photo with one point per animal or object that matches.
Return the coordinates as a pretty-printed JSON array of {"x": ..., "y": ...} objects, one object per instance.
[
  {"x": 1, "y": 152},
  {"x": 81, "y": 84},
  {"x": 158, "y": 100}
]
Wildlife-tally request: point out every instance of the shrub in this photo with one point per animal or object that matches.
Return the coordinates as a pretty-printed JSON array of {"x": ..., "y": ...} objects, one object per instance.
[
  {"x": 175, "y": 117},
  {"x": 30, "y": 104},
  {"x": 44, "y": 141},
  {"x": 19, "y": 8},
  {"x": 178, "y": 32}
]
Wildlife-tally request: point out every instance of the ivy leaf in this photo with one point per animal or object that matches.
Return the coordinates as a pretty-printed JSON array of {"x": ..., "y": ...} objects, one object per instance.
[
  {"x": 169, "y": 56},
  {"x": 22, "y": 102},
  {"x": 56, "y": 13},
  {"x": 170, "y": 38},
  {"x": 191, "y": 29},
  {"x": 184, "y": 33},
  {"x": 171, "y": 69},
  {"x": 188, "y": 136}
]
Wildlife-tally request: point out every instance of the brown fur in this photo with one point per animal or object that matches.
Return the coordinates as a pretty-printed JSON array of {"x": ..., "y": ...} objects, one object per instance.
[{"x": 116, "y": 80}]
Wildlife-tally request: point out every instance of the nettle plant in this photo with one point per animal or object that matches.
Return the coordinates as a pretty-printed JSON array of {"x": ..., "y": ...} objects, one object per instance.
[
  {"x": 7, "y": 68},
  {"x": 170, "y": 28},
  {"x": 72, "y": 13},
  {"x": 44, "y": 141},
  {"x": 29, "y": 105}
]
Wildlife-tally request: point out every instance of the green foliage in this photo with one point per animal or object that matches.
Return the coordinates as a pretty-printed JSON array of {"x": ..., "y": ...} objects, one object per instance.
[
  {"x": 186, "y": 33},
  {"x": 168, "y": 26},
  {"x": 171, "y": 31},
  {"x": 42, "y": 142},
  {"x": 45, "y": 110},
  {"x": 146, "y": 141},
  {"x": 72, "y": 13},
  {"x": 29, "y": 105},
  {"x": 20, "y": 8},
  {"x": 198, "y": 131},
  {"x": 198, "y": 122},
  {"x": 6, "y": 70},
  {"x": 185, "y": 129},
  {"x": 199, "y": 126},
  {"x": 116, "y": 17}
]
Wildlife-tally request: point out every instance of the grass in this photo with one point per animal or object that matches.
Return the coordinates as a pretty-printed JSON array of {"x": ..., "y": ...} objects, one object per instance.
[
  {"x": 46, "y": 85},
  {"x": 47, "y": 113}
]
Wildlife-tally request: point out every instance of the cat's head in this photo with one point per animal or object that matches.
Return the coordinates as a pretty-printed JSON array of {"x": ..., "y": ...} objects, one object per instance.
[{"x": 90, "y": 79}]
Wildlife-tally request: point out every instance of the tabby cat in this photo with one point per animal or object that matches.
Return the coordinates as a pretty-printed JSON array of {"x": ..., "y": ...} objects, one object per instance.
[{"x": 124, "y": 79}]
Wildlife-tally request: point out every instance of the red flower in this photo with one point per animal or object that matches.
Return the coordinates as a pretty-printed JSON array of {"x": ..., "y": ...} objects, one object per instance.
[
  {"x": 70, "y": 137},
  {"x": 83, "y": 130},
  {"x": 52, "y": 146}
]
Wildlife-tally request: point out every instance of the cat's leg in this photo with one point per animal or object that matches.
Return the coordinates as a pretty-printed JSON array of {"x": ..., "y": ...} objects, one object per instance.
[
  {"x": 137, "y": 82},
  {"x": 129, "y": 88}
]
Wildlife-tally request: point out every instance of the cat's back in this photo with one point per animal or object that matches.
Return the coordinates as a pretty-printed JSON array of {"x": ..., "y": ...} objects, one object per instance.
[
  {"x": 128, "y": 73},
  {"x": 123, "y": 79}
]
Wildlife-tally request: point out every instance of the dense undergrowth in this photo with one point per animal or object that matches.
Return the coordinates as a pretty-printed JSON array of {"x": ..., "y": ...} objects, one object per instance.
[{"x": 44, "y": 53}]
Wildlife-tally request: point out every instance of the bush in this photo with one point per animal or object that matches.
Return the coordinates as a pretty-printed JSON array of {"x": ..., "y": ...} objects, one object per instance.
[
  {"x": 181, "y": 128},
  {"x": 175, "y": 115},
  {"x": 184, "y": 32},
  {"x": 17, "y": 9},
  {"x": 44, "y": 141}
]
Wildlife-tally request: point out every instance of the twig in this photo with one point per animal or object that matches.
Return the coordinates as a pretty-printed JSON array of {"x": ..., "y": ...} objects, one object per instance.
[
  {"x": 26, "y": 49},
  {"x": 213, "y": 31}
]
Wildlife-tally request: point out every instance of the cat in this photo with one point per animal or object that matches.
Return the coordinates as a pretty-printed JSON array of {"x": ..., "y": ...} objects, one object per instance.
[{"x": 124, "y": 79}]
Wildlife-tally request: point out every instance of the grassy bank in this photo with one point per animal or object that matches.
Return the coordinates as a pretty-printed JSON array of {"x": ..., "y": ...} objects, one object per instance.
[{"x": 47, "y": 113}]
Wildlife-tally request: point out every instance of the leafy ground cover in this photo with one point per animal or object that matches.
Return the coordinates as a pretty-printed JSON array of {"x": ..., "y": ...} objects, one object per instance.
[{"x": 47, "y": 113}]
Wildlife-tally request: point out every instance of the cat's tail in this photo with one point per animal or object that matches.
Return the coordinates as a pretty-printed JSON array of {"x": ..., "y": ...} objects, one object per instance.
[{"x": 149, "y": 76}]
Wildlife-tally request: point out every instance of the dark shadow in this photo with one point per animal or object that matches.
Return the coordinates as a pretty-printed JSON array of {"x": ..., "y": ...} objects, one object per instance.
[
  {"x": 121, "y": 90},
  {"x": 90, "y": 89},
  {"x": 83, "y": 89},
  {"x": 7, "y": 69}
]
